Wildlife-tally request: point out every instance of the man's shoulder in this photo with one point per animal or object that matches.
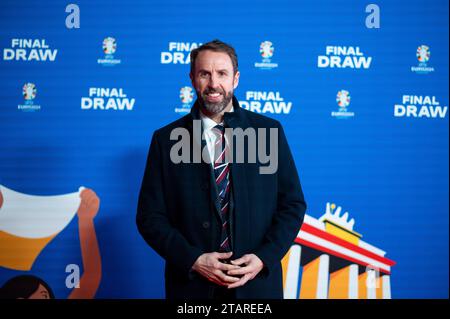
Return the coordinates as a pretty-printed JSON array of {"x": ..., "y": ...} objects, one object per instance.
[
  {"x": 168, "y": 128},
  {"x": 257, "y": 120}
]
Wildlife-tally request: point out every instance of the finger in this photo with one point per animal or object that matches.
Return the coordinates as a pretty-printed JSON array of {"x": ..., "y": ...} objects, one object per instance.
[
  {"x": 216, "y": 281},
  {"x": 219, "y": 278},
  {"x": 239, "y": 283},
  {"x": 88, "y": 200},
  {"x": 93, "y": 201},
  {"x": 226, "y": 267},
  {"x": 226, "y": 279},
  {"x": 84, "y": 192},
  {"x": 209, "y": 276},
  {"x": 224, "y": 255},
  {"x": 242, "y": 260},
  {"x": 240, "y": 271},
  {"x": 82, "y": 205}
]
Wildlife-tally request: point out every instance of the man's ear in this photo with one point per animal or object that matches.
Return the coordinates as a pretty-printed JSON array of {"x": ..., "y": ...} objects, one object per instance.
[
  {"x": 191, "y": 76},
  {"x": 236, "y": 80}
]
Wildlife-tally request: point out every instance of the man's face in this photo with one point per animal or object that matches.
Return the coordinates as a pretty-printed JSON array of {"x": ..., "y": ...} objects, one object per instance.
[{"x": 214, "y": 80}]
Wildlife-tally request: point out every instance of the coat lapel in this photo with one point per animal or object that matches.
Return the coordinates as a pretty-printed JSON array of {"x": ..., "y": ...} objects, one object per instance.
[
  {"x": 239, "y": 186},
  {"x": 206, "y": 170},
  {"x": 238, "y": 178}
]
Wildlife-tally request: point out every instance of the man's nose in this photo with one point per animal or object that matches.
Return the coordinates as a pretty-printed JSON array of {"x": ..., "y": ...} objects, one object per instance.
[{"x": 213, "y": 81}]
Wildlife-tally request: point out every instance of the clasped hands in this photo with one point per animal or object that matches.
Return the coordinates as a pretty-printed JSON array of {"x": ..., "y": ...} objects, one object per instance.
[{"x": 230, "y": 275}]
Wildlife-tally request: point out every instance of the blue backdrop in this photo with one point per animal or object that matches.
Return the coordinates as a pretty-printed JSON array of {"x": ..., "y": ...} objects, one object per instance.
[{"x": 370, "y": 154}]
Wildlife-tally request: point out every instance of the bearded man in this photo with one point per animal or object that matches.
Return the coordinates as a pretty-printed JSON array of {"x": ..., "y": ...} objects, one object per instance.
[{"x": 222, "y": 223}]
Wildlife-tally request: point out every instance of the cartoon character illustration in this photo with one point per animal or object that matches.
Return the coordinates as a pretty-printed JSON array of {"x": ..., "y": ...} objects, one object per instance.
[{"x": 14, "y": 238}]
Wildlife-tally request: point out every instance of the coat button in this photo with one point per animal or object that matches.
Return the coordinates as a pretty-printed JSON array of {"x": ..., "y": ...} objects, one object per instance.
[{"x": 205, "y": 225}]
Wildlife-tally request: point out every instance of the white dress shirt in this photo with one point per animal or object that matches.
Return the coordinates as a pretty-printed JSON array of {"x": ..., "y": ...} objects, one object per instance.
[{"x": 209, "y": 136}]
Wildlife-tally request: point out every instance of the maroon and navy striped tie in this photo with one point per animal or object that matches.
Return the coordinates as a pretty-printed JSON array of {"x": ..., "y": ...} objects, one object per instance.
[{"x": 222, "y": 175}]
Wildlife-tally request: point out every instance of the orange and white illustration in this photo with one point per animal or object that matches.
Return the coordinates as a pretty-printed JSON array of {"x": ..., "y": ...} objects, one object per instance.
[
  {"x": 329, "y": 260},
  {"x": 29, "y": 222}
]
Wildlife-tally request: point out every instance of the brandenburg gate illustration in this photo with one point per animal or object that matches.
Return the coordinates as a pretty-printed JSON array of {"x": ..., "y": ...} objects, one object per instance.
[{"x": 328, "y": 259}]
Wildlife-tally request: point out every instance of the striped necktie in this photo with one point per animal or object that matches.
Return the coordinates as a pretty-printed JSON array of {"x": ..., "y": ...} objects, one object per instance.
[{"x": 222, "y": 176}]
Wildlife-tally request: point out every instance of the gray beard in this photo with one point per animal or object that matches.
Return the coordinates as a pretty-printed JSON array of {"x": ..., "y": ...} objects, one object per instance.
[{"x": 216, "y": 108}]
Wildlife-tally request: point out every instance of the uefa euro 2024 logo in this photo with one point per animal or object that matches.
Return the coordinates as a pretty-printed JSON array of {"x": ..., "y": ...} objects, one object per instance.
[
  {"x": 29, "y": 91},
  {"x": 109, "y": 48},
  {"x": 423, "y": 54},
  {"x": 266, "y": 49},
  {"x": 186, "y": 95},
  {"x": 109, "y": 45},
  {"x": 343, "y": 99}
]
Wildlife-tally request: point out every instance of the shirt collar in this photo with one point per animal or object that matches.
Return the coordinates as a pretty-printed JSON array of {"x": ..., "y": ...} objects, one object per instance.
[{"x": 209, "y": 123}]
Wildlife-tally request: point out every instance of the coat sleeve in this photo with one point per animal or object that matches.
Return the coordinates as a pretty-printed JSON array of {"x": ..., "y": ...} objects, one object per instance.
[
  {"x": 152, "y": 219},
  {"x": 290, "y": 211}
]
